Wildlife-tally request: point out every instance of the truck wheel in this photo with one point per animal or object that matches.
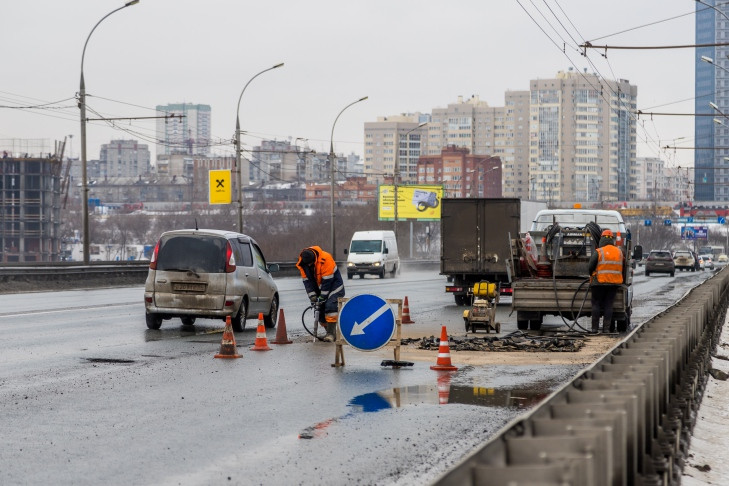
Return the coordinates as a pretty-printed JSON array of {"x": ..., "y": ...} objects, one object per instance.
[
  {"x": 522, "y": 324},
  {"x": 460, "y": 299},
  {"x": 535, "y": 324}
]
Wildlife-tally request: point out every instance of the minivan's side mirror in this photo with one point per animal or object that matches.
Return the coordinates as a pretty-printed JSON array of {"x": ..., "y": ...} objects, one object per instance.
[
  {"x": 387, "y": 250},
  {"x": 637, "y": 252},
  {"x": 346, "y": 251}
]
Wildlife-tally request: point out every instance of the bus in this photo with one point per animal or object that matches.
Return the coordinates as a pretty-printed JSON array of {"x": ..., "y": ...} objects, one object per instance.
[{"x": 713, "y": 250}]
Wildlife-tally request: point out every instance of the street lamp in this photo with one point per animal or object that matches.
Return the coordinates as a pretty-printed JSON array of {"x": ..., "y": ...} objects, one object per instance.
[
  {"x": 396, "y": 173},
  {"x": 238, "y": 170},
  {"x": 711, "y": 6},
  {"x": 332, "y": 159},
  {"x": 82, "y": 107}
]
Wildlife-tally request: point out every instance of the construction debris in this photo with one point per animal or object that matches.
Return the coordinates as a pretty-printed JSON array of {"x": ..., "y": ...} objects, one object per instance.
[{"x": 515, "y": 341}]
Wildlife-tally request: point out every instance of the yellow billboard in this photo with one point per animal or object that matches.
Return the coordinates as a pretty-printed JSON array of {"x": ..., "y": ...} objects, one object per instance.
[
  {"x": 420, "y": 203},
  {"x": 220, "y": 187}
]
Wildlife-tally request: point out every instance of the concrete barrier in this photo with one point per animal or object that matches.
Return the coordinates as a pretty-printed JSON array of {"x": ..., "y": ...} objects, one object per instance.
[{"x": 626, "y": 420}]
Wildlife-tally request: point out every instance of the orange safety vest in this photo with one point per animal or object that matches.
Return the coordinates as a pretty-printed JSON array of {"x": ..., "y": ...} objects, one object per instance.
[
  {"x": 324, "y": 265},
  {"x": 609, "y": 265}
]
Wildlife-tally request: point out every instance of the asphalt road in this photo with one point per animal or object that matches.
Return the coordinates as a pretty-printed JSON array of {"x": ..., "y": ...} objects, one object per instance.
[{"x": 88, "y": 395}]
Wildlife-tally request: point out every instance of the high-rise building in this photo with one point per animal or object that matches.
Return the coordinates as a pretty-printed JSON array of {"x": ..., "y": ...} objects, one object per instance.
[
  {"x": 124, "y": 158},
  {"x": 582, "y": 138},
  {"x": 711, "y": 170},
  {"x": 187, "y": 132},
  {"x": 394, "y": 142}
]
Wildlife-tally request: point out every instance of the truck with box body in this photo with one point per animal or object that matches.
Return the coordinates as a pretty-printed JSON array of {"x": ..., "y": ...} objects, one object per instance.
[
  {"x": 553, "y": 278},
  {"x": 475, "y": 241}
]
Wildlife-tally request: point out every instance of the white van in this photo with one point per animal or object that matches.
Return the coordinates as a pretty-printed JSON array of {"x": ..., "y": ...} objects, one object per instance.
[{"x": 372, "y": 252}]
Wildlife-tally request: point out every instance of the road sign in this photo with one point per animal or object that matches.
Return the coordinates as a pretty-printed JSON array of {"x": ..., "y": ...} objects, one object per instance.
[
  {"x": 647, "y": 222},
  {"x": 367, "y": 322},
  {"x": 721, "y": 220},
  {"x": 666, "y": 222}
]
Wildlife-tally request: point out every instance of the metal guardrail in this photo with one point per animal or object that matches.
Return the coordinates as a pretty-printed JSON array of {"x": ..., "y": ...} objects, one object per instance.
[
  {"x": 626, "y": 420},
  {"x": 44, "y": 276}
]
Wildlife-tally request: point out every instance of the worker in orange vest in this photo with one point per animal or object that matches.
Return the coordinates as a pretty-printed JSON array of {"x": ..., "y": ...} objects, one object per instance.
[
  {"x": 323, "y": 284},
  {"x": 606, "y": 273}
]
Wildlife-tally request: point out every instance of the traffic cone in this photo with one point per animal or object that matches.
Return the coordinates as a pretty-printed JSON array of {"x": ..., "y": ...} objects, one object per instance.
[
  {"x": 443, "y": 363},
  {"x": 281, "y": 337},
  {"x": 227, "y": 346},
  {"x": 444, "y": 387},
  {"x": 406, "y": 313},
  {"x": 261, "y": 343}
]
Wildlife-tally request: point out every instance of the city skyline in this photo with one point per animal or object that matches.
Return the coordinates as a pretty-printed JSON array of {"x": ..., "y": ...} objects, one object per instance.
[{"x": 406, "y": 57}]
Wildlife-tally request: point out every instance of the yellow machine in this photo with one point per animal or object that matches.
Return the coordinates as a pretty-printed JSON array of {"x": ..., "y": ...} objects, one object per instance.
[{"x": 482, "y": 314}]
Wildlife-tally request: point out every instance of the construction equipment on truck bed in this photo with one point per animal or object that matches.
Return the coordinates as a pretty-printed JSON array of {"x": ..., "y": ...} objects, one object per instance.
[
  {"x": 552, "y": 277},
  {"x": 482, "y": 313}
]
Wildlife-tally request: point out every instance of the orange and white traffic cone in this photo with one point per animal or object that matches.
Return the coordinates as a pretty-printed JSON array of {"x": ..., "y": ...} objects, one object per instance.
[
  {"x": 281, "y": 337},
  {"x": 406, "y": 313},
  {"x": 227, "y": 346},
  {"x": 444, "y": 387},
  {"x": 261, "y": 343},
  {"x": 443, "y": 363}
]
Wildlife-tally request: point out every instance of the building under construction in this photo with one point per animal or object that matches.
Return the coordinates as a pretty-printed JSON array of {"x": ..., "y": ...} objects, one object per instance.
[{"x": 30, "y": 188}]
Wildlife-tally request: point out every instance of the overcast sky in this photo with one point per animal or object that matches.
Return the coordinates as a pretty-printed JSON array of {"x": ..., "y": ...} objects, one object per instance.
[{"x": 406, "y": 55}]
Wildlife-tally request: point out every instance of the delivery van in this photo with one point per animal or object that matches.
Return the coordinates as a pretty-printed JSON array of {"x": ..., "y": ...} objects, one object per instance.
[{"x": 374, "y": 253}]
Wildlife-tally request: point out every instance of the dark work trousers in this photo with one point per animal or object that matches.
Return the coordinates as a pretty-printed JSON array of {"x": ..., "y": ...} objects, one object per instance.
[{"x": 603, "y": 297}]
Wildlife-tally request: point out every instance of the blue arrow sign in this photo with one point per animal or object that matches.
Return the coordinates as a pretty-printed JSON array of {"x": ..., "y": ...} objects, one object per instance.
[
  {"x": 367, "y": 322},
  {"x": 666, "y": 222},
  {"x": 721, "y": 220},
  {"x": 647, "y": 222}
]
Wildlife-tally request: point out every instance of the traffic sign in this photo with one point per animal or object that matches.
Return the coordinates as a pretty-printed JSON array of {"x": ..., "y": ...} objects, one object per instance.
[
  {"x": 367, "y": 322},
  {"x": 647, "y": 222},
  {"x": 721, "y": 220},
  {"x": 666, "y": 222}
]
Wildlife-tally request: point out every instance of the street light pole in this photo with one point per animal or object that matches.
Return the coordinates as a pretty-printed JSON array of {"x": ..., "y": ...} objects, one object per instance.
[
  {"x": 332, "y": 161},
  {"x": 82, "y": 107},
  {"x": 238, "y": 163},
  {"x": 396, "y": 172}
]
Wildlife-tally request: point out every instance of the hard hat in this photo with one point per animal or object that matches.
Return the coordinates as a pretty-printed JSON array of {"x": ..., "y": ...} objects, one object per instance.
[{"x": 607, "y": 234}]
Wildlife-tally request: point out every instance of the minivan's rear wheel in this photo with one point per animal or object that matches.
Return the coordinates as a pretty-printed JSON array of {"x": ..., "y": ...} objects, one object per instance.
[
  {"x": 154, "y": 321},
  {"x": 239, "y": 320},
  {"x": 188, "y": 321},
  {"x": 270, "y": 320}
]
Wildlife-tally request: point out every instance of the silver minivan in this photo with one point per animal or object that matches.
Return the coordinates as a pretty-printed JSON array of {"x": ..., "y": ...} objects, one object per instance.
[{"x": 209, "y": 274}]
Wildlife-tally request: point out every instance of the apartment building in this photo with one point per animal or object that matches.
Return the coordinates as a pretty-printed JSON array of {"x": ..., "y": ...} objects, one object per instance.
[
  {"x": 582, "y": 138},
  {"x": 394, "y": 143},
  {"x": 461, "y": 173},
  {"x": 186, "y": 132},
  {"x": 124, "y": 158}
]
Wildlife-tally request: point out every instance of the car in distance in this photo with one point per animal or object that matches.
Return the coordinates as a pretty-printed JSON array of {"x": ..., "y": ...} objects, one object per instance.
[
  {"x": 708, "y": 262},
  {"x": 721, "y": 261},
  {"x": 684, "y": 260},
  {"x": 659, "y": 261},
  {"x": 209, "y": 274}
]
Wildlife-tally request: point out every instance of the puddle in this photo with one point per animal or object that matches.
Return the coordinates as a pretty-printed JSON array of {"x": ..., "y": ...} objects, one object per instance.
[
  {"x": 440, "y": 393},
  {"x": 444, "y": 393}
]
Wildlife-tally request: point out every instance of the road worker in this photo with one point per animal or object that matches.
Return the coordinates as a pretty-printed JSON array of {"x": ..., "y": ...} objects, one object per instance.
[
  {"x": 606, "y": 273},
  {"x": 323, "y": 284}
]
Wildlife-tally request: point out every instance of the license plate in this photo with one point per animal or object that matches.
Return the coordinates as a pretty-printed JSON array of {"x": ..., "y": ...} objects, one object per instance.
[{"x": 188, "y": 287}]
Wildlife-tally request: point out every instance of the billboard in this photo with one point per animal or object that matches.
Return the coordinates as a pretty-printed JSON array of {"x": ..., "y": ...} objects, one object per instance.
[
  {"x": 694, "y": 232},
  {"x": 220, "y": 187},
  {"x": 421, "y": 203}
]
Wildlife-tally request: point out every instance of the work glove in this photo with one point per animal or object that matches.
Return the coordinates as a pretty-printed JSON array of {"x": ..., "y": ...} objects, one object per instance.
[
  {"x": 313, "y": 299},
  {"x": 320, "y": 302}
]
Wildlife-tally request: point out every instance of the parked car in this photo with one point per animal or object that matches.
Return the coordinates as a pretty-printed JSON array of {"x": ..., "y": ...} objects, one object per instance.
[
  {"x": 708, "y": 262},
  {"x": 659, "y": 261},
  {"x": 684, "y": 260},
  {"x": 209, "y": 274}
]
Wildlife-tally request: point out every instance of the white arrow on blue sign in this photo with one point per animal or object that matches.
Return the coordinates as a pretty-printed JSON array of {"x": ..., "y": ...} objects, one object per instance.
[{"x": 367, "y": 322}]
